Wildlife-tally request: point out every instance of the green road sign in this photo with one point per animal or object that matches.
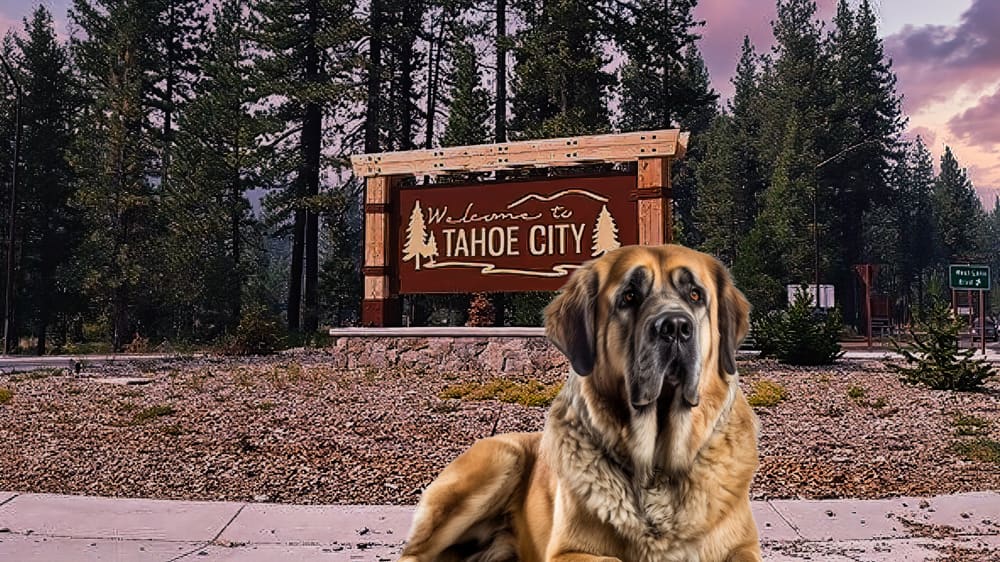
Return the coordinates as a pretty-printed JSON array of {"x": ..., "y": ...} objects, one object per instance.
[{"x": 969, "y": 277}]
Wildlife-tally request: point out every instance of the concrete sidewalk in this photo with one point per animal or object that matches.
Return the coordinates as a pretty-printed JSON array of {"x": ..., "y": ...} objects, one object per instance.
[{"x": 45, "y": 527}]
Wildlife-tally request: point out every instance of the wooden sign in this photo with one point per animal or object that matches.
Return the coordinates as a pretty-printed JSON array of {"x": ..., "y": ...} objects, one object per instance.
[
  {"x": 518, "y": 236},
  {"x": 507, "y": 235}
]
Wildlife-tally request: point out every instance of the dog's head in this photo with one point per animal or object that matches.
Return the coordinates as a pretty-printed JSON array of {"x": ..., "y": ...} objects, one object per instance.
[{"x": 649, "y": 321}]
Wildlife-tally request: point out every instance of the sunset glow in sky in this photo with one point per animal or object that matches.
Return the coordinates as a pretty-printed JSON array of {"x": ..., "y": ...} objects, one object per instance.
[{"x": 946, "y": 54}]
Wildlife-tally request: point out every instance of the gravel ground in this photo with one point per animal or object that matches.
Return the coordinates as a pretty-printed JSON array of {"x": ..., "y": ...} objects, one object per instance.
[{"x": 292, "y": 429}]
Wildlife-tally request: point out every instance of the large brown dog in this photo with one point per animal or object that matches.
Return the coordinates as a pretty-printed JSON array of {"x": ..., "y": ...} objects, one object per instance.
[{"x": 649, "y": 449}]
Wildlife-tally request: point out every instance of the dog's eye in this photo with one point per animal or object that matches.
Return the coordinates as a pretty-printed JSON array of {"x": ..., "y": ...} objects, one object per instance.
[
  {"x": 695, "y": 295},
  {"x": 629, "y": 298}
]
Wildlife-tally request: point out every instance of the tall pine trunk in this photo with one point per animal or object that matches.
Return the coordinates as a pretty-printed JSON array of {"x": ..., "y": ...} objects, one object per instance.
[
  {"x": 374, "y": 78},
  {"x": 311, "y": 144},
  {"x": 295, "y": 275},
  {"x": 312, "y": 140},
  {"x": 236, "y": 304}
]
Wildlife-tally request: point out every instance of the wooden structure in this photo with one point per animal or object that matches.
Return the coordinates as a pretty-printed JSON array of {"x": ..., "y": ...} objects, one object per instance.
[{"x": 652, "y": 151}]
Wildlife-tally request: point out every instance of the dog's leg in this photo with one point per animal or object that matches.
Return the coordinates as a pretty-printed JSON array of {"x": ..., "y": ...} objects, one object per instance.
[
  {"x": 581, "y": 557},
  {"x": 477, "y": 486}
]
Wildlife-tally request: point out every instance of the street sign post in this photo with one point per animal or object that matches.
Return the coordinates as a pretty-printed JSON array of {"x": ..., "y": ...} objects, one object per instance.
[
  {"x": 972, "y": 277},
  {"x": 969, "y": 277}
]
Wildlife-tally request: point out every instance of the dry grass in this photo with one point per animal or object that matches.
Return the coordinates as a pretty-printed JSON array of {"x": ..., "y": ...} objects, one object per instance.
[
  {"x": 767, "y": 393},
  {"x": 6, "y": 395},
  {"x": 530, "y": 393}
]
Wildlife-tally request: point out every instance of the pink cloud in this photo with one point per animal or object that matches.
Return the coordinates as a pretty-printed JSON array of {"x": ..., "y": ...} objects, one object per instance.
[
  {"x": 727, "y": 21},
  {"x": 925, "y": 134},
  {"x": 979, "y": 124},
  {"x": 933, "y": 61}
]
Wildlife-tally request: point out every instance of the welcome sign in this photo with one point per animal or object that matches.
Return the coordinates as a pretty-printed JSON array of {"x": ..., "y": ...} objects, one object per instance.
[{"x": 512, "y": 236}]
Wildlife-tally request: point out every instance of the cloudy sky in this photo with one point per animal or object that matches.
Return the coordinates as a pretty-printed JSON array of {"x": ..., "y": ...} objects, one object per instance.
[{"x": 946, "y": 54}]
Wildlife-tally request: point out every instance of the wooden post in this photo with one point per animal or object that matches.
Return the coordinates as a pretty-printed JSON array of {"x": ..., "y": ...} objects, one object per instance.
[
  {"x": 868, "y": 301},
  {"x": 982, "y": 322},
  {"x": 654, "y": 199},
  {"x": 380, "y": 306}
]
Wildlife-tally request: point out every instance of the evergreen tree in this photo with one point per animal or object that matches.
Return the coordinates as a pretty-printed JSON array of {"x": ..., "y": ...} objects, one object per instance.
[
  {"x": 663, "y": 81},
  {"x": 469, "y": 110},
  {"x": 113, "y": 161},
  {"x": 862, "y": 135},
  {"x": 665, "y": 84},
  {"x": 307, "y": 54},
  {"x": 559, "y": 86},
  {"x": 958, "y": 214},
  {"x": 719, "y": 214},
  {"x": 217, "y": 159},
  {"x": 781, "y": 248},
  {"x": 916, "y": 222},
  {"x": 729, "y": 175},
  {"x": 48, "y": 227},
  {"x": 177, "y": 38}
]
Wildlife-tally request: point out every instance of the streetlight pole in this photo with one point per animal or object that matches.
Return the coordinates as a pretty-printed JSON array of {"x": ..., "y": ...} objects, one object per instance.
[{"x": 8, "y": 322}]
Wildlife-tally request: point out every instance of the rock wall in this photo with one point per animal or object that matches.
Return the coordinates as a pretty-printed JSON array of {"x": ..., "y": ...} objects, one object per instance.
[{"x": 500, "y": 354}]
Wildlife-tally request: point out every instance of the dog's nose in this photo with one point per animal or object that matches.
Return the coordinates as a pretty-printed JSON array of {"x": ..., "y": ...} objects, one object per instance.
[{"x": 673, "y": 326}]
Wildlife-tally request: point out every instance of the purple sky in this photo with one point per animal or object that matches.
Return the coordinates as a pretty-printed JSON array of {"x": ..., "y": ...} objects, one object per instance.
[{"x": 946, "y": 54}]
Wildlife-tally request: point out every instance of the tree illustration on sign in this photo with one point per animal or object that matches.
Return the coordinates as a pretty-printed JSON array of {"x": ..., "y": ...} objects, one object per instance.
[
  {"x": 605, "y": 233},
  {"x": 416, "y": 245},
  {"x": 431, "y": 249}
]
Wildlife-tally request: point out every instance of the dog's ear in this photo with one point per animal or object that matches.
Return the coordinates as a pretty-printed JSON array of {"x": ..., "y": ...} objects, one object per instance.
[
  {"x": 569, "y": 320},
  {"x": 734, "y": 318}
]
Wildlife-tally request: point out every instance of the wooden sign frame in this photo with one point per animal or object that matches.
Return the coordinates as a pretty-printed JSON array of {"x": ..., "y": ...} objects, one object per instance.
[{"x": 653, "y": 152}]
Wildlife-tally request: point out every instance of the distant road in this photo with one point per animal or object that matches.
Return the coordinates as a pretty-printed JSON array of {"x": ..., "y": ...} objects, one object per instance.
[{"x": 20, "y": 363}]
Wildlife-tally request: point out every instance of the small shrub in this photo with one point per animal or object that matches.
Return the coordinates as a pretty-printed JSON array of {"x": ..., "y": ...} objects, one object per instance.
[
  {"x": 172, "y": 430},
  {"x": 980, "y": 449},
  {"x": 266, "y": 406},
  {"x": 146, "y": 414},
  {"x": 259, "y": 333},
  {"x": 855, "y": 392},
  {"x": 767, "y": 393},
  {"x": 530, "y": 393},
  {"x": 6, "y": 395},
  {"x": 966, "y": 424},
  {"x": 799, "y": 335},
  {"x": 481, "y": 311},
  {"x": 935, "y": 358}
]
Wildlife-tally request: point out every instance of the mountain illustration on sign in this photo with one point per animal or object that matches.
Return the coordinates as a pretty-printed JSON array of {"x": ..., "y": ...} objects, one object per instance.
[
  {"x": 417, "y": 244},
  {"x": 605, "y": 233}
]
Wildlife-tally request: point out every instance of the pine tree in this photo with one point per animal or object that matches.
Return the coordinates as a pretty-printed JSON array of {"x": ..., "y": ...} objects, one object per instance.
[
  {"x": 307, "y": 55},
  {"x": 113, "y": 160},
  {"x": 958, "y": 214},
  {"x": 662, "y": 81},
  {"x": 559, "y": 86},
  {"x": 935, "y": 358},
  {"x": 862, "y": 135},
  {"x": 176, "y": 42},
  {"x": 49, "y": 227},
  {"x": 469, "y": 110},
  {"x": 781, "y": 246},
  {"x": 217, "y": 159}
]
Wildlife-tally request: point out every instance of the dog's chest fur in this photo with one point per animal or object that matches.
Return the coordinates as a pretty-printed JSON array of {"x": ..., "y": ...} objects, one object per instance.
[{"x": 660, "y": 520}]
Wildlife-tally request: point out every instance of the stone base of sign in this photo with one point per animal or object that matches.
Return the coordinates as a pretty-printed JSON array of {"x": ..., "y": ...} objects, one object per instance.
[{"x": 528, "y": 355}]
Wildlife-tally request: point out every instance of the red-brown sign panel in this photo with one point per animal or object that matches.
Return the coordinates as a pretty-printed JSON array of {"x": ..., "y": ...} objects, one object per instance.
[{"x": 514, "y": 236}]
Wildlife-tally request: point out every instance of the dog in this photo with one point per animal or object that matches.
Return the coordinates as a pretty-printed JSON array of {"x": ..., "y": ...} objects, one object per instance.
[{"x": 648, "y": 450}]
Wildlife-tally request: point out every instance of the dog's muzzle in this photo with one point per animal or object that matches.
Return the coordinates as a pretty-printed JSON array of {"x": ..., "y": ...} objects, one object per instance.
[{"x": 672, "y": 357}]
